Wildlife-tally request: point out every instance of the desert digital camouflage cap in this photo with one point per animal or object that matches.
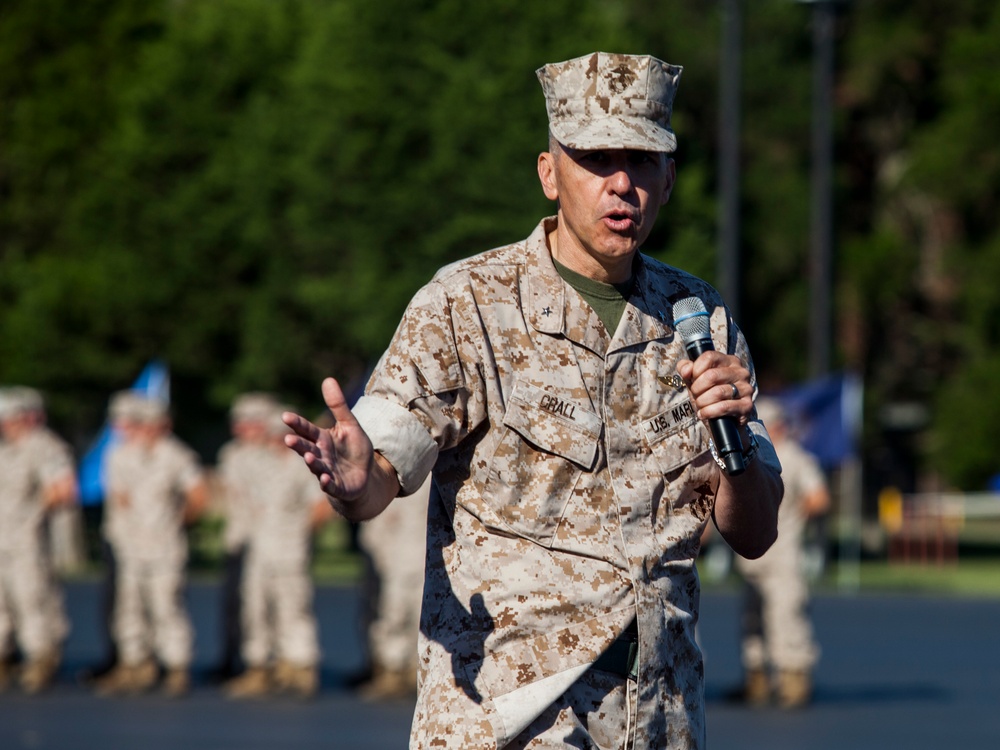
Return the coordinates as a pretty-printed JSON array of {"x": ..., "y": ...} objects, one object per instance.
[
  {"x": 6, "y": 404},
  {"x": 770, "y": 411},
  {"x": 253, "y": 407},
  {"x": 137, "y": 407},
  {"x": 606, "y": 100},
  {"x": 18, "y": 399}
]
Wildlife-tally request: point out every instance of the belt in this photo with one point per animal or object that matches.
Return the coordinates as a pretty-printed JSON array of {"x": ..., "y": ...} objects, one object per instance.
[{"x": 622, "y": 656}]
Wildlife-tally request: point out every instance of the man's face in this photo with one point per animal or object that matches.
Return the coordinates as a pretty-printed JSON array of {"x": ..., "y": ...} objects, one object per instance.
[
  {"x": 250, "y": 430},
  {"x": 608, "y": 202},
  {"x": 146, "y": 432},
  {"x": 125, "y": 428},
  {"x": 12, "y": 428}
]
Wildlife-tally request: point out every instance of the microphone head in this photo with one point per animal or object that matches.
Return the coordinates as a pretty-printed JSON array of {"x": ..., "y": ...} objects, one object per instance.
[{"x": 691, "y": 320}]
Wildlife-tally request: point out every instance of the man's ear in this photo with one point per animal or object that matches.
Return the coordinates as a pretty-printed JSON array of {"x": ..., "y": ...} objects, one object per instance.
[
  {"x": 547, "y": 175},
  {"x": 671, "y": 178}
]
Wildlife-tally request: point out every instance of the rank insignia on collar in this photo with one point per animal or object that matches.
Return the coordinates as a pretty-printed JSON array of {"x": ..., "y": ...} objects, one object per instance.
[
  {"x": 546, "y": 311},
  {"x": 675, "y": 381}
]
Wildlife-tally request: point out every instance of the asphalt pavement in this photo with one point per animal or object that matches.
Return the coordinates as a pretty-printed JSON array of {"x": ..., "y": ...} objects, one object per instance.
[{"x": 896, "y": 672}]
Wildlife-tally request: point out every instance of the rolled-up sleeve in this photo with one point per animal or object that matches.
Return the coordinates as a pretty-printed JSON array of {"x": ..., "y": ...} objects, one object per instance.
[
  {"x": 400, "y": 437},
  {"x": 417, "y": 400}
]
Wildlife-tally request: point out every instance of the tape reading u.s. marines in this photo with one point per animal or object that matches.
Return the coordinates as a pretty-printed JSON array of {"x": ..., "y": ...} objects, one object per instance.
[
  {"x": 677, "y": 415},
  {"x": 682, "y": 412}
]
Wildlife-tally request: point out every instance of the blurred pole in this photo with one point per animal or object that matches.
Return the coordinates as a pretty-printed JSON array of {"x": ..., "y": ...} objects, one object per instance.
[
  {"x": 849, "y": 558},
  {"x": 821, "y": 244},
  {"x": 729, "y": 256},
  {"x": 851, "y": 488},
  {"x": 824, "y": 15}
]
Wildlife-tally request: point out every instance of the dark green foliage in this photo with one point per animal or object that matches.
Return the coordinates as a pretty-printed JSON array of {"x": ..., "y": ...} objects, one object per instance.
[{"x": 252, "y": 189}]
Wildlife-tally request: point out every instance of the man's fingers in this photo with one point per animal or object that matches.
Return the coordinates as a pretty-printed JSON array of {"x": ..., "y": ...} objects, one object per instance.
[
  {"x": 336, "y": 402},
  {"x": 340, "y": 456},
  {"x": 707, "y": 362},
  {"x": 302, "y": 446},
  {"x": 315, "y": 463},
  {"x": 685, "y": 368},
  {"x": 300, "y": 426}
]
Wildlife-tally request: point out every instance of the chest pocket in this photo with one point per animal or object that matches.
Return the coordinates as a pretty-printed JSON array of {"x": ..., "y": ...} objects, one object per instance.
[
  {"x": 678, "y": 442},
  {"x": 548, "y": 441},
  {"x": 676, "y": 436}
]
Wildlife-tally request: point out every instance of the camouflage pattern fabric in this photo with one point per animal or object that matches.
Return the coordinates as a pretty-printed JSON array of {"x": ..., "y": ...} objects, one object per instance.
[
  {"x": 777, "y": 628},
  {"x": 144, "y": 508},
  {"x": 395, "y": 540},
  {"x": 149, "y": 617},
  {"x": 144, "y": 522},
  {"x": 30, "y": 598},
  {"x": 572, "y": 483},
  {"x": 276, "y": 589},
  {"x": 27, "y": 467},
  {"x": 279, "y": 507},
  {"x": 234, "y": 473},
  {"x": 608, "y": 101}
]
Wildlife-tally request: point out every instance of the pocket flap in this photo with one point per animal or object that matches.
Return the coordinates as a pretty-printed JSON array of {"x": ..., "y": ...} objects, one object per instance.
[
  {"x": 678, "y": 421},
  {"x": 554, "y": 423}
]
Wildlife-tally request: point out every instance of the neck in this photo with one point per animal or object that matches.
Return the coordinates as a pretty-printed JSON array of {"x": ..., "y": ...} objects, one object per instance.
[{"x": 575, "y": 258}]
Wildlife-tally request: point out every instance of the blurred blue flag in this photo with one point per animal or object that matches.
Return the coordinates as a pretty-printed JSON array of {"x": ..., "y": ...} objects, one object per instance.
[
  {"x": 153, "y": 381},
  {"x": 825, "y": 416}
]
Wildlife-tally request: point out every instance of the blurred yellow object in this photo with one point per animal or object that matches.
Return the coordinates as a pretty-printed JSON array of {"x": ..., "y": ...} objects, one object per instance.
[{"x": 890, "y": 509}]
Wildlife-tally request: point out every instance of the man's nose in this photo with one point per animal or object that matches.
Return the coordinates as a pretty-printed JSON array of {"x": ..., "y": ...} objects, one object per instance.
[{"x": 620, "y": 179}]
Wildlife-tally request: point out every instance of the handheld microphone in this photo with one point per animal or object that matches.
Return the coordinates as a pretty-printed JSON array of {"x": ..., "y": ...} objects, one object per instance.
[{"x": 691, "y": 321}]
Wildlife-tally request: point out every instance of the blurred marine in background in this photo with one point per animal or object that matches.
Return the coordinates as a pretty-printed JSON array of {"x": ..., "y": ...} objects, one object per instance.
[
  {"x": 248, "y": 421},
  {"x": 281, "y": 508},
  {"x": 779, "y": 650},
  {"x": 395, "y": 544},
  {"x": 37, "y": 477},
  {"x": 155, "y": 489}
]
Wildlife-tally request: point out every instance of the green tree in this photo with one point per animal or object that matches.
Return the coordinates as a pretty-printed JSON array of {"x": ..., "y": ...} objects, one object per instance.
[
  {"x": 917, "y": 91},
  {"x": 60, "y": 67},
  {"x": 253, "y": 189}
]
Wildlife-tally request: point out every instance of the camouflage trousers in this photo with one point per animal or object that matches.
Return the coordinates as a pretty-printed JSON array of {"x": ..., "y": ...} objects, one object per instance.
[
  {"x": 395, "y": 543},
  {"x": 26, "y": 591},
  {"x": 392, "y": 635},
  {"x": 150, "y": 617},
  {"x": 277, "y": 615},
  {"x": 777, "y": 631}
]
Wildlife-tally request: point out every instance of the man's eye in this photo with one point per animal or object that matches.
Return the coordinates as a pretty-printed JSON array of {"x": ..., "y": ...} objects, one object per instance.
[
  {"x": 595, "y": 157},
  {"x": 639, "y": 157}
]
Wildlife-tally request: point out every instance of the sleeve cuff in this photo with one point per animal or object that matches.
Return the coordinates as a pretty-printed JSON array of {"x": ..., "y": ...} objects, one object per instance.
[
  {"x": 401, "y": 439},
  {"x": 765, "y": 448}
]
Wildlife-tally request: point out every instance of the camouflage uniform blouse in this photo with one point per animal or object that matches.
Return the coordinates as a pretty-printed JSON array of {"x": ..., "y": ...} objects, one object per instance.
[
  {"x": 154, "y": 481},
  {"x": 572, "y": 481},
  {"x": 27, "y": 468}
]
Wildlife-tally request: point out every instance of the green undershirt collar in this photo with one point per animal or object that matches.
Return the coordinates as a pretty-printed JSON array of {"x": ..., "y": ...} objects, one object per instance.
[{"x": 607, "y": 300}]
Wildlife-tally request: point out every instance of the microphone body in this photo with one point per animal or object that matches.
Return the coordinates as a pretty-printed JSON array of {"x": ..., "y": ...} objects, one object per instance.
[{"x": 691, "y": 322}]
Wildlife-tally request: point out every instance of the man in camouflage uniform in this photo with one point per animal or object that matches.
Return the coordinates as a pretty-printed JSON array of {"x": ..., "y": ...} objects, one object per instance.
[
  {"x": 282, "y": 507},
  {"x": 249, "y": 416},
  {"x": 394, "y": 542},
  {"x": 154, "y": 489},
  {"x": 777, "y": 632},
  {"x": 37, "y": 477},
  {"x": 545, "y": 387}
]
